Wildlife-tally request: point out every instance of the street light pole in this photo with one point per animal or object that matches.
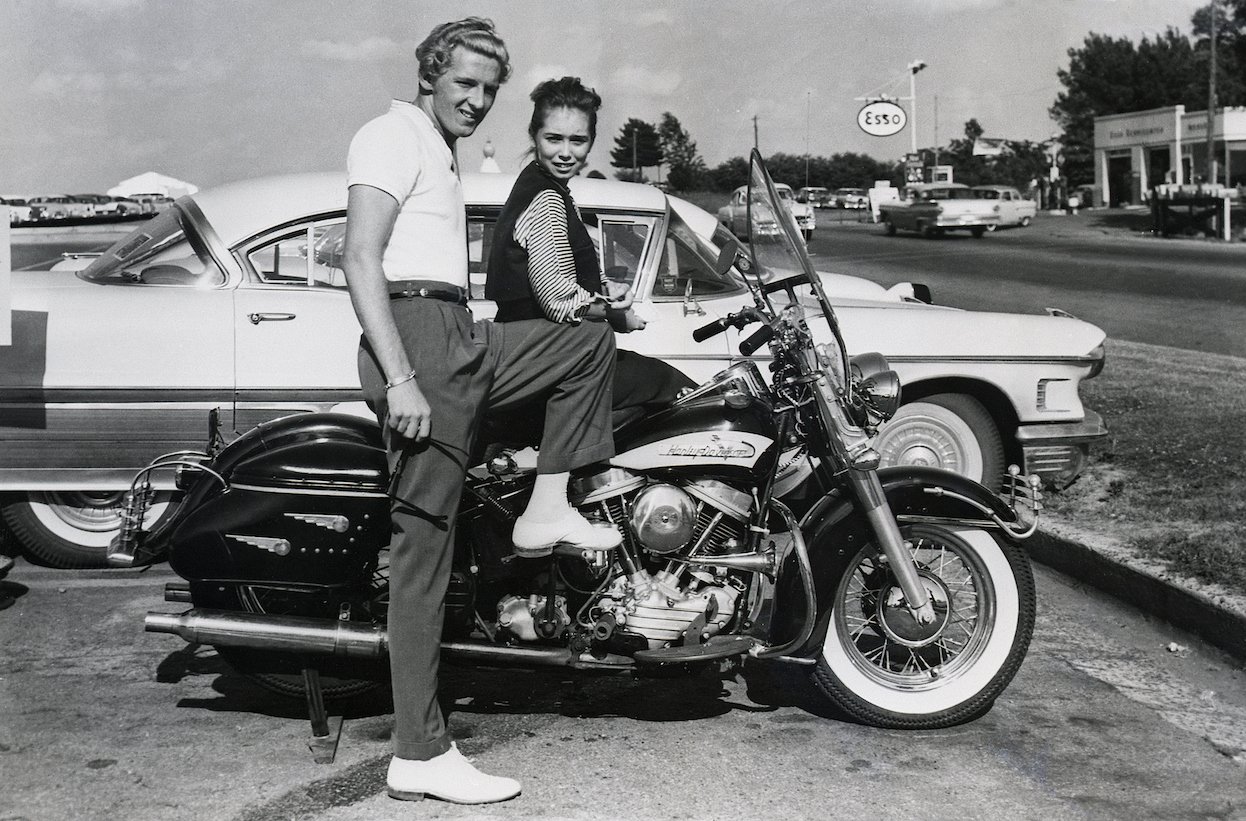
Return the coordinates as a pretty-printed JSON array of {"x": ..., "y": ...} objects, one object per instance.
[
  {"x": 914, "y": 67},
  {"x": 1211, "y": 103}
]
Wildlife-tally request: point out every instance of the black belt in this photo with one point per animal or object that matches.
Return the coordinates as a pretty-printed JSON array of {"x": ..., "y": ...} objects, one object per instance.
[{"x": 428, "y": 289}]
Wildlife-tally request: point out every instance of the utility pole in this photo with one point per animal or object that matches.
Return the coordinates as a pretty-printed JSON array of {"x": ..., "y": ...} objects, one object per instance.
[
  {"x": 936, "y": 129},
  {"x": 755, "y": 144},
  {"x": 1211, "y": 103},
  {"x": 914, "y": 67},
  {"x": 808, "y": 95},
  {"x": 635, "y": 174}
]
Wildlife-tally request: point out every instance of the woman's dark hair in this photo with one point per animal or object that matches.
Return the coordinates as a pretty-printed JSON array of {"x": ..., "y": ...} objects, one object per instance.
[{"x": 566, "y": 92}]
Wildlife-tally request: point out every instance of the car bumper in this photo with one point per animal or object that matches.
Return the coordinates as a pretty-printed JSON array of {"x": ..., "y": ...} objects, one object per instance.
[{"x": 1057, "y": 452}]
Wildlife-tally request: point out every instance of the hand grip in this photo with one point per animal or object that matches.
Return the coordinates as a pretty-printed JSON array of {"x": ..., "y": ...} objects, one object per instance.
[
  {"x": 758, "y": 338},
  {"x": 712, "y": 329}
]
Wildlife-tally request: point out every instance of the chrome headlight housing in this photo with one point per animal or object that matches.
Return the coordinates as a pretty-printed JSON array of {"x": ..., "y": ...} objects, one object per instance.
[{"x": 876, "y": 386}]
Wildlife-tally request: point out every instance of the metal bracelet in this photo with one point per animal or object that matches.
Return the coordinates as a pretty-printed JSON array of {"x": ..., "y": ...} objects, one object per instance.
[{"x": 393, "y": 383}]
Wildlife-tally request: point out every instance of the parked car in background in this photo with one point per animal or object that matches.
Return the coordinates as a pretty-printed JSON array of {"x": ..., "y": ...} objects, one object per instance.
[
  {"x": 814, "y": 195},
  {"x": 850, "y": 198},
  {"x": 234, "y": 299},
  {"x": 151, "y": 203},
  {"x": 59, "y": 206},
  {"x": 1014, "y": 209},
  {"x": 734, "y": 214},
  {"x": 19, "y": 209},
  {"x": 931, "y": 209},
  {"x": 108, "y": 205}
]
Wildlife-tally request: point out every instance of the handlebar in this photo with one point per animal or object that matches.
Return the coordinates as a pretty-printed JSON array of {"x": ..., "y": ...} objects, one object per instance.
[
  {"x": 759, "y": 337},
  {"x": 712, "y": 329},
  {"x": 736, "y": 320}
]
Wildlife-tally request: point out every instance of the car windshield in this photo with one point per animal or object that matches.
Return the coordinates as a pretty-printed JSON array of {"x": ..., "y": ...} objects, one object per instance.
[
  {"x": 784, "y": 193},
  {"x": 162, "y": 252}
]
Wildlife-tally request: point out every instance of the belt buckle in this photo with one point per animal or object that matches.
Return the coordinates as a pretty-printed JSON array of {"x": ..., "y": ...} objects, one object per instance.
[{"x": 423, "y": 292}]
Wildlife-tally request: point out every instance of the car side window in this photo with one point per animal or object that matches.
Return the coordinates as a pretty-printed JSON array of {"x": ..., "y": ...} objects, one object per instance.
[
  {"x": 480, "y": 237},
  {"x": 621, "y": 243},
  {"x": 285, "y": 260}
]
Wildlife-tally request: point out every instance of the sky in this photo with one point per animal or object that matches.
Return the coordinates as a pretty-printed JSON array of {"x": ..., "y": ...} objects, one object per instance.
[{"x": 208, "y": 91}]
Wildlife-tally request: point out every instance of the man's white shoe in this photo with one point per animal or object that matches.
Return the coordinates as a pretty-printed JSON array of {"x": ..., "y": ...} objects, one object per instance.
[
  {"x": 450, "y": 777},
  {"x": 533, "y": 540}
]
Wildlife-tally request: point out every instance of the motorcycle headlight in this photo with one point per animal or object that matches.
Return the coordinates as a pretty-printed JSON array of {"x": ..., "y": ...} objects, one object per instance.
[{"x": 877, "y": 385}]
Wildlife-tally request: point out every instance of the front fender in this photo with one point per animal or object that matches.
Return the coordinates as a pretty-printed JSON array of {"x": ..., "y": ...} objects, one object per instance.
[{"x": 835, "y": 529}]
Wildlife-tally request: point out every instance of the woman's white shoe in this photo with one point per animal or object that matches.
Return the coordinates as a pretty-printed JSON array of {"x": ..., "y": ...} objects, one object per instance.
[{"x": 450, "y": 777}]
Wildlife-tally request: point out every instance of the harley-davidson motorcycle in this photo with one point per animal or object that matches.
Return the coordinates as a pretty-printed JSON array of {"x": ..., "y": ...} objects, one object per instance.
[{"x": 903, "y": 592}]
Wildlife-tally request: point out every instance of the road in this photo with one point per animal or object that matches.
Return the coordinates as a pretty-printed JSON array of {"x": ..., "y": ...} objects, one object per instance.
[
  {"x": 1176, "y": 292},
  {"x": 102, "y": 721}
]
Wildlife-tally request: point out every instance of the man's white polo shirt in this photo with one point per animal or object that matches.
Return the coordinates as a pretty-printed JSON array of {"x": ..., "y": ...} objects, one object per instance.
[{"x": 404, "y": 155}]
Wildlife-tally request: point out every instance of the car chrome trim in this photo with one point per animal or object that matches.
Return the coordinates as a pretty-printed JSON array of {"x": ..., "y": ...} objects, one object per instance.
[
  {"x": 86, "y": 479},
  {"x": 1091, "y": 427}
]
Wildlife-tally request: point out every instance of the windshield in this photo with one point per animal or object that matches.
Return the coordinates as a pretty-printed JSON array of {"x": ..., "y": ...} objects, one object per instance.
[
  {"x": 772, "y": 230},
  {"x": 162, "y": 252}
]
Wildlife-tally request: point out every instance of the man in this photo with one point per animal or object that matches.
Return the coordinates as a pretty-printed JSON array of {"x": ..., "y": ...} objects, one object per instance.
[{"x": 429, "y": 371}]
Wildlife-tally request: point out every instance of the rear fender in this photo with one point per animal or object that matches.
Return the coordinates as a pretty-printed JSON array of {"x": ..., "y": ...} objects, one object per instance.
[{"x": 835, "y": 529}]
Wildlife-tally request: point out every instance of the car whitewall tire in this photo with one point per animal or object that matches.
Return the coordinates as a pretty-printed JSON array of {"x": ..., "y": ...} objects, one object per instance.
[
  {"x": 949, "y": 431},
  {"x": 72, "y": 529}
]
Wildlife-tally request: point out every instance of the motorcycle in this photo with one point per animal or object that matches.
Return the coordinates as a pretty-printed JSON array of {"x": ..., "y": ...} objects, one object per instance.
[{"x": 904, "y": 593}]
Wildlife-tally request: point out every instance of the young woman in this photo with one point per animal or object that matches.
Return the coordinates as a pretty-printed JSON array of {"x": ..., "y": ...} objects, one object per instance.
[{"x": 543, "y": 263}]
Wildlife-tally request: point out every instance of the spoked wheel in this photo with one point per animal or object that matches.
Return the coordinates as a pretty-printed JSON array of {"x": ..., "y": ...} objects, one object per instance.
[
  {"x": 282, "y": 673},
  {"x": 884, "y": 669}
]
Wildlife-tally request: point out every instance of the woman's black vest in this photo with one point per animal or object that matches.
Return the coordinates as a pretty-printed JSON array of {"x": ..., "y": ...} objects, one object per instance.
[{"x": 507, "y": 283}]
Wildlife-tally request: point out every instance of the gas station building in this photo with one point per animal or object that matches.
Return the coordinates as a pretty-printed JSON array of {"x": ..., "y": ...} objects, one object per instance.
[{"x": 1136, "y": 152}]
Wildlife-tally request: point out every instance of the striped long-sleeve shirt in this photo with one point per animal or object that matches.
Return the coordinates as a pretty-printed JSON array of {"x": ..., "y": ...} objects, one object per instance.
[{"x": 541, "y": 230}]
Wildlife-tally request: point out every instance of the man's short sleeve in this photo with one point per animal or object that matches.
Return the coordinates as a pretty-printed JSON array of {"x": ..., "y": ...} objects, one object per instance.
[{"x": 381, "y": 156}]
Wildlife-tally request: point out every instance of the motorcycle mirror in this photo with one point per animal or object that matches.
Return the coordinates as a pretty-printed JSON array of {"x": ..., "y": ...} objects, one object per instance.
[{"x": 731, "y": 256}]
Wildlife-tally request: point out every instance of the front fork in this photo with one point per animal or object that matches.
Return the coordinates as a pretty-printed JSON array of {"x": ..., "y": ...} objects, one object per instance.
[
  {"x": 871, "y": 497},
  {"x": 853, "y": 449}
]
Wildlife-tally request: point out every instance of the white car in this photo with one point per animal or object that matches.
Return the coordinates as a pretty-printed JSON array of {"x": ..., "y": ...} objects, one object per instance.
[
  {"x": 734, "y": 215},
  {"x": 1014, "y": 209},
  {"x": 232, "y": 299}
]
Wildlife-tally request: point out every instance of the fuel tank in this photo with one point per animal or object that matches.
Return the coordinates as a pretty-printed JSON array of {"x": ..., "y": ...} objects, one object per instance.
[
  {"x": 706, "y": 437},
  {"x": 306, "y": 504}
]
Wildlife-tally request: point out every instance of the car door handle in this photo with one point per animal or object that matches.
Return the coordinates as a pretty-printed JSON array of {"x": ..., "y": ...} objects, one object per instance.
[{"x": 256, "y": 319}]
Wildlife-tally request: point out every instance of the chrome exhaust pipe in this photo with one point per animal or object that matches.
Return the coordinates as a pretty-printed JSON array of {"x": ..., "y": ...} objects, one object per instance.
[
  {"x": 298, "y": 634},
  {"x": 280, "y": 634}
]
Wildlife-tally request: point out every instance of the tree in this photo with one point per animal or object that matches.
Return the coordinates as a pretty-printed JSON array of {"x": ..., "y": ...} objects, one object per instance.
[
  {"x": 687, "y": 170},
  {"x": 637, "y": 147},
  {"x": 1113, "y": 76}
]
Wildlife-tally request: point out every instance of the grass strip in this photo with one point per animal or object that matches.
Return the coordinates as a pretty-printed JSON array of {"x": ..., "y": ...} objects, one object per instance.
[{"x": 1169, "y": 483}]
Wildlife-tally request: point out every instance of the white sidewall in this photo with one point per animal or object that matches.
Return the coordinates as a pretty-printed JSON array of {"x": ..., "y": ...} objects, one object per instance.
[
  {"x": 55, "y": 524},
  {"x": 970, "y": 682},
  {"x": 918, "y": 421}
]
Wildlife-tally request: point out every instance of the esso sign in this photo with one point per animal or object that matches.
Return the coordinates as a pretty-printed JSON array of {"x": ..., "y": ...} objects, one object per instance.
[{"x": 882, "y": 119}]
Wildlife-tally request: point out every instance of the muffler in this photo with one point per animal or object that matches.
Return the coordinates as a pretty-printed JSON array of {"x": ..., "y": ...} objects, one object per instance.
[
  {"x": 299, "y": 634},
  {"x": 280, "y": 634}
]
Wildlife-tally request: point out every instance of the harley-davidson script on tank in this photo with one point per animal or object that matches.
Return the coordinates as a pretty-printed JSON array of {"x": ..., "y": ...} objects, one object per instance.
[
  {"x": 702, "y": 432},
  {"x": 696, "y": 449}
]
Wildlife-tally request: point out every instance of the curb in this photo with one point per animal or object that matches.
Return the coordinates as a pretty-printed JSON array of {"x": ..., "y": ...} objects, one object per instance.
[{"x": 1179, "y": 606}]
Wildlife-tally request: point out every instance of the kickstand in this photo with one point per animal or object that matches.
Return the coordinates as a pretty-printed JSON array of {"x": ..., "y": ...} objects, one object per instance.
[{"x": 326, "y": 731}]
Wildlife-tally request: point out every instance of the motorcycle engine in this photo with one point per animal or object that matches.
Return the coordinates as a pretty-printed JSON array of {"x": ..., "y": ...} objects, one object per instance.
[{"x": 668, "y": 525}]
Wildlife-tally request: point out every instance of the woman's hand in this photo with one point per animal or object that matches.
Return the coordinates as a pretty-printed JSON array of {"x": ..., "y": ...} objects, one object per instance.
[
  {"x": 624, "y": 322},
  {"x": 620, "y": 295},
  {"x": 409, "y": 412}
]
